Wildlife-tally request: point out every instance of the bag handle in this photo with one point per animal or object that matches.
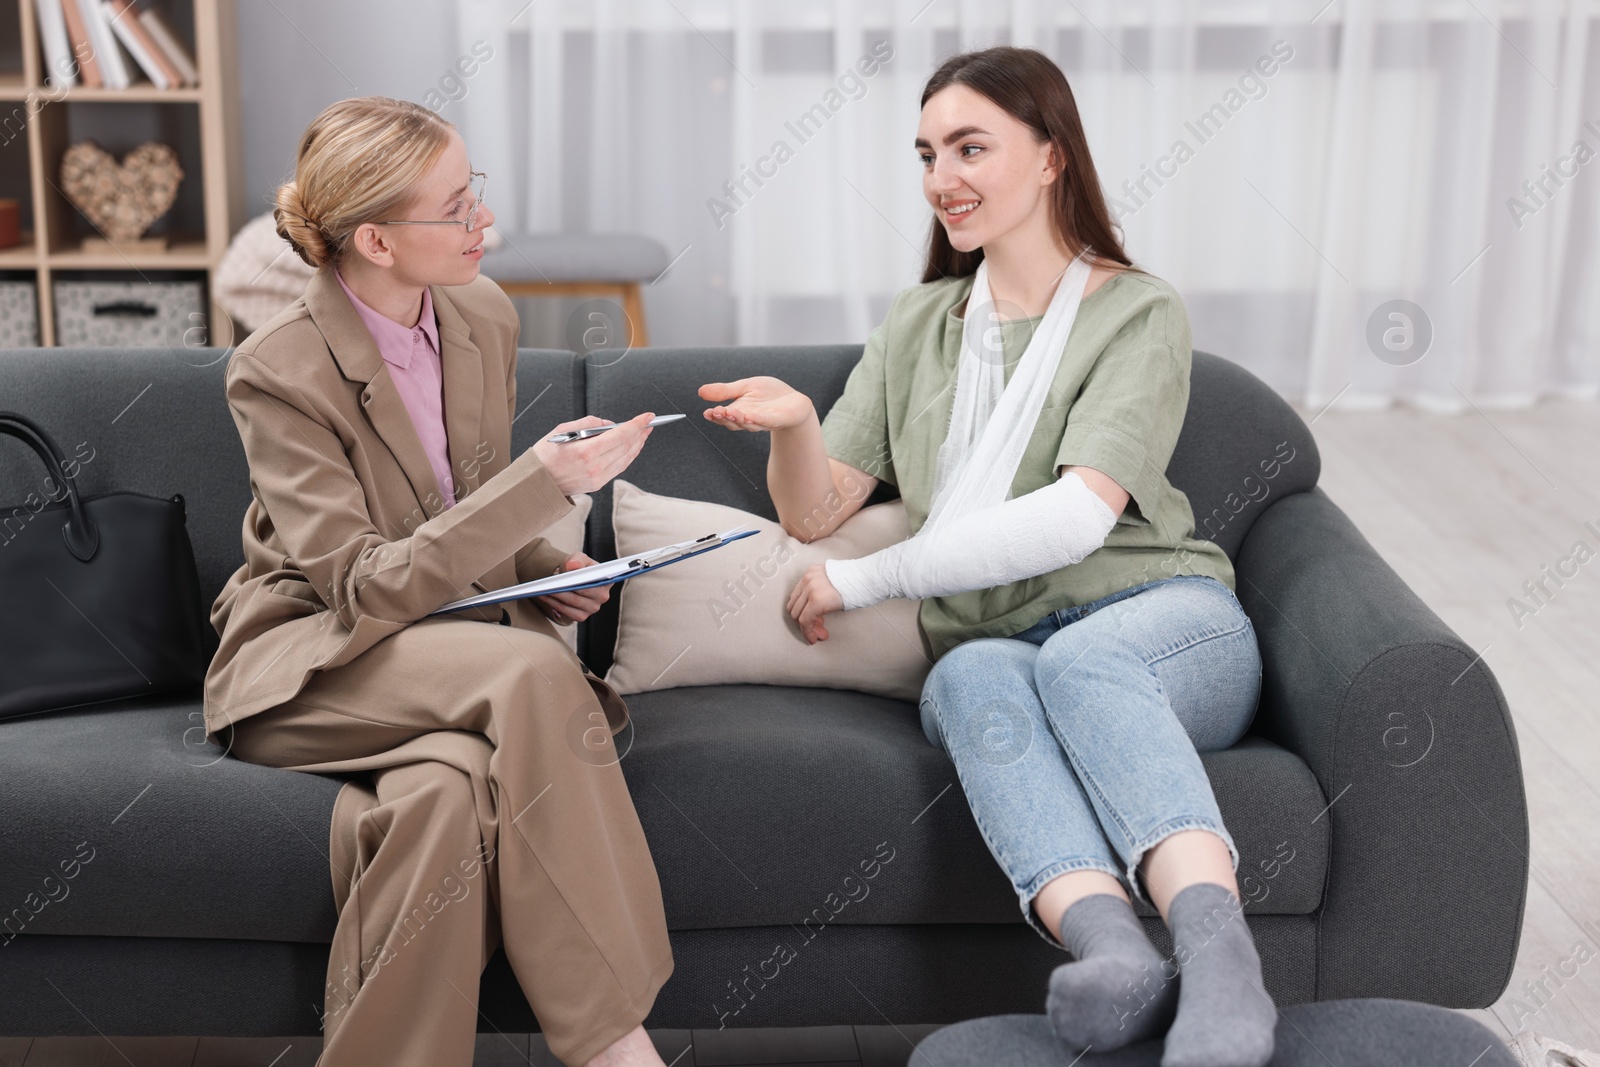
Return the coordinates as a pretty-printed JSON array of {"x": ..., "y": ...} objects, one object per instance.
[{"x": 80, "y": 533}]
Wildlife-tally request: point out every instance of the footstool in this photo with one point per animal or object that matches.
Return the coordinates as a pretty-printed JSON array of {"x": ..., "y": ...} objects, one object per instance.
[
  {"x": 1370, "y": 1032},
  {"x": 579, "y": 264}
]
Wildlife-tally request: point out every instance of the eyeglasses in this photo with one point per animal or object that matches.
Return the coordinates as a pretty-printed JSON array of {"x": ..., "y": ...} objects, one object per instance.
[{"x": 476, "y": 183}]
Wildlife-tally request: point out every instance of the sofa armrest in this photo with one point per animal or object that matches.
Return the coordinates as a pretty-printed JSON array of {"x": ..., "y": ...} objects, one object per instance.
[{"x": 1409, "y": 735}]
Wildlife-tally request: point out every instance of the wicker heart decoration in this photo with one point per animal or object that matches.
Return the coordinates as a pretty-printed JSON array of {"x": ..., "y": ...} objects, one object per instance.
[{"x": 122, "y": 200}]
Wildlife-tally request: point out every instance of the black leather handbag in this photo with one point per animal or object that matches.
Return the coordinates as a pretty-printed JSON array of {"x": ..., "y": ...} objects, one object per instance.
[{"x": 99, "y": 596}]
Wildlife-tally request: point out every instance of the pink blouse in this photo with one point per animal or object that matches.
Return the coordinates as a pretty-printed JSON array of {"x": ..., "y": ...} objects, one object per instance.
[{"x": 412, "y": 353}]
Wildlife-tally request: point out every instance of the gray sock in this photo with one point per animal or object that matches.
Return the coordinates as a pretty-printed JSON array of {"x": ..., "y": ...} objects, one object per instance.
[
  {"x": 1225, "y": 1018},
  {"x": 1118, "y": 989}
]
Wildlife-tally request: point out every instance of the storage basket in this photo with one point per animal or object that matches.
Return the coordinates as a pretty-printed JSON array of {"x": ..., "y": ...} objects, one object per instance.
[
  {"x": 19, "y": 314},
  {"x": 133, "y": 314}
]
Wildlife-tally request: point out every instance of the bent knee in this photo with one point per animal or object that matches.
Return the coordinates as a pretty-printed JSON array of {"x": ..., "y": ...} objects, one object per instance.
[
  {"x": 1083, "y": 649},
  {"x": 977, "y": 659},
  {"x": 438, "y": 792},
  {"x": 968, "y": 676}
]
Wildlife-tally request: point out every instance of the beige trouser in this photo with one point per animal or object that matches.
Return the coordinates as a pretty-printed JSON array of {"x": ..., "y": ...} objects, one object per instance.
[{"x": 497, "y": 814}]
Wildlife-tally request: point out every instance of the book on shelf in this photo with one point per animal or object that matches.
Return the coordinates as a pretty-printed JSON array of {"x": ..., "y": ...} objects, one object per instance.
[
  {"x": 92, "y": 41},
  {"x": 179, "y": 56},
  {"x": 61, "y": 68},
  {"x": 83, "y": 45},
  {"x": 103, "y": 40},
  {"x": 124, "y": 21}
]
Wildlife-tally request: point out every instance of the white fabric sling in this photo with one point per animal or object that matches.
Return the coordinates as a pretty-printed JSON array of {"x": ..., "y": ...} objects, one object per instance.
[
  {"x": 976, "y": 536},
  {"x": 992, "y": 420}
]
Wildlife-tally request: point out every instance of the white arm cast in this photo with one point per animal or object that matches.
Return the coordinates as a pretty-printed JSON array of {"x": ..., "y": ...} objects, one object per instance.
[{"x": 1033, "y": 534}]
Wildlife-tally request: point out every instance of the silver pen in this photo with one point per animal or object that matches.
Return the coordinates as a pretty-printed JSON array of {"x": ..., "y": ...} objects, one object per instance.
[{"x": 590, "y": 431}]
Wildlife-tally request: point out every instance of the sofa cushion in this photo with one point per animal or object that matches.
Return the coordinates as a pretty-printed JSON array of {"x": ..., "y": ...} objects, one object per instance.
[
  {"x": 149, "y": 420},
  {"x": 178, "y": 841},
  {"x": 155, "y": 420},
  {"x": 758, "y": 803},
  {"x": 549, "y": 391}
]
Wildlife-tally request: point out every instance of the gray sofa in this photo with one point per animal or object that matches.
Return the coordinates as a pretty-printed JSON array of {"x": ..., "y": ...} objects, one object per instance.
[{"x": 1377, "y": 800}]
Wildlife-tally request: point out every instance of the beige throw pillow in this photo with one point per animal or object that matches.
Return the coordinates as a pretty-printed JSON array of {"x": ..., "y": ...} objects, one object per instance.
[{"x": 721, "y": 617}]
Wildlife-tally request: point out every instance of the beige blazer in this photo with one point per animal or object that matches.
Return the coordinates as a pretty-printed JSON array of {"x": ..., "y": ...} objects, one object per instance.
[{"x": 347, "y": 539}]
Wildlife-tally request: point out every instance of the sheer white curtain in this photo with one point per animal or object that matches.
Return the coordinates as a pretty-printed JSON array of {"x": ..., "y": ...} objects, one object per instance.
[{"x": 1293, "y": 168}]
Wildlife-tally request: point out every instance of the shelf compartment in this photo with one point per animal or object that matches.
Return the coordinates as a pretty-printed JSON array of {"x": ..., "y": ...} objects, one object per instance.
[
  {"x": 16, "y": 183},
  {"x": 118, "y": 131},
  {"x": 23, "y": 256},
  {"x": 200, "y": 122},
  {"x": 183, "y": 253},
  {"x": 14, "y": 73}
]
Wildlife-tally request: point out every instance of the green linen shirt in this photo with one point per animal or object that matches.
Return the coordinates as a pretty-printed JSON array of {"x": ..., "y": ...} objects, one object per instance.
[{"x": 1117, "y": 404}]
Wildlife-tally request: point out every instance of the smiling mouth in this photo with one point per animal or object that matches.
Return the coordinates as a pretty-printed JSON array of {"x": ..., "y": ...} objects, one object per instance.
[
  {"x": 960, "y": 209},
  {"x": 475, "y": 248}
]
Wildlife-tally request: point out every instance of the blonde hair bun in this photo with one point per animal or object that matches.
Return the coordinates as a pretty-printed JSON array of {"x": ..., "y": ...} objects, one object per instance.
[
  {"x": 359, "y": 161},
  {"x": 294, "y": 226}
]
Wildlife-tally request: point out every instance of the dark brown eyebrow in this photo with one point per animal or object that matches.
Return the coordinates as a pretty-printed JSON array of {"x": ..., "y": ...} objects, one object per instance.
[{"x": 952, "y": 137}]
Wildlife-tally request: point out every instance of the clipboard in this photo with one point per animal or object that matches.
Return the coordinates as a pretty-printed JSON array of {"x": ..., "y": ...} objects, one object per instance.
[{"x": 616, "y": 570}]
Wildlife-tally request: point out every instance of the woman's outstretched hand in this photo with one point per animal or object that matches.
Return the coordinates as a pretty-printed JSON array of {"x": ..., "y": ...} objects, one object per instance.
[
  {"x": 575, "y": 605},
  {"x": 759, "y": 403},
  {"x": 586, "y": 465},
  {"x": 812, "y": 598}
]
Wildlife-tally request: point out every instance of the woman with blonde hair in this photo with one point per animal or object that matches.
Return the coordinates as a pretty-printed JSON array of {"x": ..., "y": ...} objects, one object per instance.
[
  {"x": 1025, "y": 400},
  {"x": 375, "y": 413}
]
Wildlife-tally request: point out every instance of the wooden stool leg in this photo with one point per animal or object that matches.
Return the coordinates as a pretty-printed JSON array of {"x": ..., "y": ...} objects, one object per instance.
[{"x": 633, "y": 307}]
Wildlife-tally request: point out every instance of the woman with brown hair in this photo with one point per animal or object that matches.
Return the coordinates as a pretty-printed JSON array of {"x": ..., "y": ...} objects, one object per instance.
[
  {"x": 1025, "y": 399},
  {"x": 375, "y": 413}
]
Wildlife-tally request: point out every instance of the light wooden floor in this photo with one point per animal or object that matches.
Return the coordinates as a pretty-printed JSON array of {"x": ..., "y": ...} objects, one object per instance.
[
  {"x": 1466, "y": 508},
  {"x": 812, "y": 1046}
]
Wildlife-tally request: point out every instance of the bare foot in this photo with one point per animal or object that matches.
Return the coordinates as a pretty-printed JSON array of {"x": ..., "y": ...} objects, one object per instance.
[{"x": 633, "y": 1049}]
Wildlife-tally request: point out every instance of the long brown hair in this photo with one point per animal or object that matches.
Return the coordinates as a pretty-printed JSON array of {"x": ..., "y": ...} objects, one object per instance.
[{"x": 1027, "y": 85}]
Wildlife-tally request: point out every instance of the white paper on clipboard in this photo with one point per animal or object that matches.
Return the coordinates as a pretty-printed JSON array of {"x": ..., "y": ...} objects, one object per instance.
[{"x": 615, "y": 570}]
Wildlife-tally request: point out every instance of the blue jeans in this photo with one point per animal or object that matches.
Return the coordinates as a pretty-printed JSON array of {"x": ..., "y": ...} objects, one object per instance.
[{"x": 1077, "y": 741}]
